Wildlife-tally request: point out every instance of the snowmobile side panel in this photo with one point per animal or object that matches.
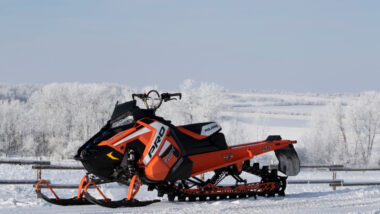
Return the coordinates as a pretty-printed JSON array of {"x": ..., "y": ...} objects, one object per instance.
[
  {"x": 181, "y": 170},
  {"x": 233, "y": 155}
]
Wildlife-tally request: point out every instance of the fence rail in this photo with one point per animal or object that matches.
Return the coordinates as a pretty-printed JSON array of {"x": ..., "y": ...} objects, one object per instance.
[
  {"x": 60, "y": 186},
  {"x": 18, "y": 181},
  {"x": 354, "y": 169},
  {"x": 348, "y": 184},
  {"x": 322, "y": 181},
  {"x": 321, "y": 166},
  {"x": 25, "y": 162},
  {"x": 57, "y": 167}
]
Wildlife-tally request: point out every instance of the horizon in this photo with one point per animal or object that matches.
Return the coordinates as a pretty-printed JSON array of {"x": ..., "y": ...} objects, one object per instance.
[{"x": 195, "y": 84}]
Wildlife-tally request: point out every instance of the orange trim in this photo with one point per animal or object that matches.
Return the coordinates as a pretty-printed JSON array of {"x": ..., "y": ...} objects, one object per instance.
[
  {"x": 81, "y": 185},
  {"x": 191, "y": 134},
  {"x": 47, "y": 184},
  {"x": 101, "y": 193},
  {"x": 206, "y": 162},
  {"x": 250, "y": 153},
  {"x": 134, "y": 187}
]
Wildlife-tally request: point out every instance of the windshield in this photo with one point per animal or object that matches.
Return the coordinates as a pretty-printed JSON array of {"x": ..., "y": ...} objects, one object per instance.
[{"x": 123, "y": 114}]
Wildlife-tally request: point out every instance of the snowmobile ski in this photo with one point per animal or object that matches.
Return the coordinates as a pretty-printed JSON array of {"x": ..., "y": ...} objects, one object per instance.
[{"x": 79, "y": 200}]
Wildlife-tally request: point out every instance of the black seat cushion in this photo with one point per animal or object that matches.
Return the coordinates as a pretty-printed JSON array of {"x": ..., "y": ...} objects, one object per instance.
[{"x": 192, "y": 146}]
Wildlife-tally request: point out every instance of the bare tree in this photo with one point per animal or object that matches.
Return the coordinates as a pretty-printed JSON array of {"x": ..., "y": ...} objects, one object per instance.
[{"x": 365, "y": 121}]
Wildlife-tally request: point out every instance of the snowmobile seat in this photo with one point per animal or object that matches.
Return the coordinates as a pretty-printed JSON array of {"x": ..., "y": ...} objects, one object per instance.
[
  {"x": 200, "y": 131},
  {"x": 192, "y": 146}
]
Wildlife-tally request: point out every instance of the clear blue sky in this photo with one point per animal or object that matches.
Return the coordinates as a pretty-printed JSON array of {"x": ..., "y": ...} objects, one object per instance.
[{"x": 303, "y": 46}]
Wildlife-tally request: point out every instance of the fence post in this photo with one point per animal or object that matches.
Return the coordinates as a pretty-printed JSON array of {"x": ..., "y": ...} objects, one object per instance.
[
  {"x": 38, "y": 177},
  {"x": 38, "y": 174},
  {"x": 334, "y": 178}
]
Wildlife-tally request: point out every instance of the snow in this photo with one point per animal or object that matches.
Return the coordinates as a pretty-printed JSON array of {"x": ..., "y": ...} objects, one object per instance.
[{"x": 309, "y": 198}]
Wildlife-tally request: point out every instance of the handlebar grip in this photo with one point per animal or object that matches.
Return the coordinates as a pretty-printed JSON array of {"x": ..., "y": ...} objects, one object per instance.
[
  {"x": 166, "y": 96},
  {"x": 176, "y": 95},
  {"x": 141, "y": 96}
]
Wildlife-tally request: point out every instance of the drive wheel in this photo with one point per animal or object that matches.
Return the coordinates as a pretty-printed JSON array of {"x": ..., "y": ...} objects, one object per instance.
[
  {"x": 181, "y": 198},
  {"x": 171, "y": 197},
  {"x": 281, "y": 189}
]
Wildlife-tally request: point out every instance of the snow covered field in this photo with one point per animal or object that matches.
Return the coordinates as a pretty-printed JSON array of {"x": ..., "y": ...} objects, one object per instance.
[
  {"x": 299, "y": 198},
  {"x": 244, "y": 117}
]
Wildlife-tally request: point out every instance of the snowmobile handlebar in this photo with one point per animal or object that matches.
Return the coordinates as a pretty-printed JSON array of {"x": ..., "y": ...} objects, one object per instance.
[
  {"x": 160, "y": 97},
  {"x": 166, "y": 96},
  {"x": 141, "y": 96}
]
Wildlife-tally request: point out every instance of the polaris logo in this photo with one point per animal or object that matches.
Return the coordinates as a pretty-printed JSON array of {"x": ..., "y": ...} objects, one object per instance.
[
  {"x": 228, "y": 157},
  {"x": 210, "y": 129},
  {"x": 157, "y": 142}
]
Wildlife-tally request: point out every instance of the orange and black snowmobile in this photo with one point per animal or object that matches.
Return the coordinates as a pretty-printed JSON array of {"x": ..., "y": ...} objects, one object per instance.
[{"x": 137, "y": 147}]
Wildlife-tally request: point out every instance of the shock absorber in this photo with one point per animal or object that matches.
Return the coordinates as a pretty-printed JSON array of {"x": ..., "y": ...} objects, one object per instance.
[
  {"x": 127, "y": 168},
  {"x": 131, "y": 162}
]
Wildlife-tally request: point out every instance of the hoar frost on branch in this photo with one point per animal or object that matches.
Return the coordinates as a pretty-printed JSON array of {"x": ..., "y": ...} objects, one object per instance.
[
  {"x": 55, "y": 119},
  {"x": 199, "y": 104},
  {"x": 365, "y": 123},
  {"x": 345, "y": 133}
]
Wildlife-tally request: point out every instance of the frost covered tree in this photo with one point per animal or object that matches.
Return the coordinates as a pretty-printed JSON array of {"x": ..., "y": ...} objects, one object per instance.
[
  {"x": 327, "y": 139},
  {"x": 55, "y": 119},
  {"x": 201, "y": 103},
  {"x": 365, "y": 123},
  {"x": 71, "y": 113},
  {"x": 11, "y": 134},
  {"x": 198, "y": 104},
  {"x": 345, "y": 134}
]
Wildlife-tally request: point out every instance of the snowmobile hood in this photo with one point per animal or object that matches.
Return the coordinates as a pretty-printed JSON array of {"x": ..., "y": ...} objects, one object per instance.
[
  {"x": 102, "y": 160},
  {"x": 123, "y": 117}
]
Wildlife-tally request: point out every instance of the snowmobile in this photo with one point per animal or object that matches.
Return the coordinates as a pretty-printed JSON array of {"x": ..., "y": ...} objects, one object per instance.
[{"x": 138, "y": 147}]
